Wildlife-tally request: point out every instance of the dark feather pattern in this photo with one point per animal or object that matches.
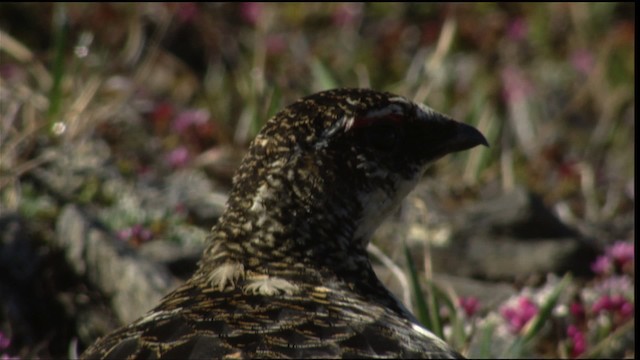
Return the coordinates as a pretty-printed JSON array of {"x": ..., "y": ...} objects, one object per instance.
[{"x": 286, "y": 274}]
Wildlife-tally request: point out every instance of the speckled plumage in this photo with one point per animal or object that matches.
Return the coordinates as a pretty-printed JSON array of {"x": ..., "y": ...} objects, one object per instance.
[{"x": 286, "y": 273}]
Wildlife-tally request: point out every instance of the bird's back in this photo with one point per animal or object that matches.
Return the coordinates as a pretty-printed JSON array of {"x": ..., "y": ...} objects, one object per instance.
[{"x": 314, "y": 322}]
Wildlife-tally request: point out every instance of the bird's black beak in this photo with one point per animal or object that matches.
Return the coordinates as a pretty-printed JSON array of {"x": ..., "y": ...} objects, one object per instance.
[
  {"x": 440, "y": 135},
  {"x": 463, "y": 137}
]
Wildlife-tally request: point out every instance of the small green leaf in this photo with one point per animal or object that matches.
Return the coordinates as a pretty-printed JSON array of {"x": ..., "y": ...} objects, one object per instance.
[
  {"x": 422, "y": 311},
  {"x": 322, "y": 78},
  {"x": 536, "y": 324}
]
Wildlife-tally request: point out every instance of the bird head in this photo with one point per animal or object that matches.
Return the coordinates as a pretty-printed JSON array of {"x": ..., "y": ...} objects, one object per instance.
[{"x": 324, "y": 172}]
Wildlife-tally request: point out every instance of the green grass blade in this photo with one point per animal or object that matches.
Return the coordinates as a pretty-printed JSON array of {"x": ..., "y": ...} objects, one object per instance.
[
  {"x": 546, "y": 310},
  {"x": 424, "y": 310},
  {"x": 322, "y": 77}
]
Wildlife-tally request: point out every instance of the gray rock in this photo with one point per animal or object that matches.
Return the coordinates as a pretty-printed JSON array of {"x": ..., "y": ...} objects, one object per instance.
[
  {"x": 509, "y": 237},
  {"x": 180, "y": 259},
  {"x": 132, "y": 282}
]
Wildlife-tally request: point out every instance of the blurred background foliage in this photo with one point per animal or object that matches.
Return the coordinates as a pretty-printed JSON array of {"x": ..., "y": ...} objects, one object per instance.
[{"x": 172, "y": 85}]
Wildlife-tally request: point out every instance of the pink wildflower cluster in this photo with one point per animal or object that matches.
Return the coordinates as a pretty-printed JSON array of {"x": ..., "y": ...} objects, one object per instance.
[
  {"x": 469, "y": 305},
  {"x": 577, "y": 341},
  {"x": 5, "y": 342},
  {"x": 619, "y": 256},
  {"x": 614, "y": 304},
  {"x": 136, "y": 234},
  {"x": 576, "y": 309},
  {"x": 519, "y": 315},
  {"x": 251, "y": 12},
  {"x": 190, "y": 118},
  {"x": 178, "y": 157},
  {"x": 195, "y": 128},
  {"x": 615, "y": 272},
  {"x": 517, "y": 29}
]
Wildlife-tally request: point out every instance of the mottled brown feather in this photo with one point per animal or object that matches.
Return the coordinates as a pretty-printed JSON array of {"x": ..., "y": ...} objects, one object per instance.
[{"x": 286, "y": 274}]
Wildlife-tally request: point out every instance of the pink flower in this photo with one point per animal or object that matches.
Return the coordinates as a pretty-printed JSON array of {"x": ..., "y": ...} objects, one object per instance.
[
  {"x": 137, "y": 234},
  {"x": 251, "y": 12},
  {"x": 178, "y": 157},
  {"x": 602, "y": 304},
  {"x": 615, "y": 304},
  {"x": 582, "y": 60},
  {"x": 622, "y": 252},
  {"x": 614, "y": 284},
  {"x": 627, "y": 310},
  {"x": 602, "y": 265},
  {"x": 578, "y": 341},
  {"x": 617, "y": 256},
  {"x": 190, "y": 118},
  {"x": 4, "y": 341},
  {"x": 160, "y": 117},
  {"x": 577, "y": 310},
  {"x": 518, "y": 316},
  {"x": 470, "y": 305},
  {"x": 517, "y": 29},
  {"x": 515, "y": 85}
]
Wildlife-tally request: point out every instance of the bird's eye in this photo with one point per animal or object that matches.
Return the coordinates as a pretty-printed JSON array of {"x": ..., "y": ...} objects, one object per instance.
[{"x": 383, "y": 137}]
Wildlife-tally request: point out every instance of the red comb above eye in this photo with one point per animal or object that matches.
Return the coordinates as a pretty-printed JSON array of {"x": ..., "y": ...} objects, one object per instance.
[{"x": 366, "y": 121}]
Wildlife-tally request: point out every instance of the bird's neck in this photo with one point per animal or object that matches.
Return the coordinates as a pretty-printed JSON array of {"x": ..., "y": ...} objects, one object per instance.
[
  {"x": 292, "y": 246},
  {"x": 271, "y": 236},
  {"x": 288, "y": 221}
]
